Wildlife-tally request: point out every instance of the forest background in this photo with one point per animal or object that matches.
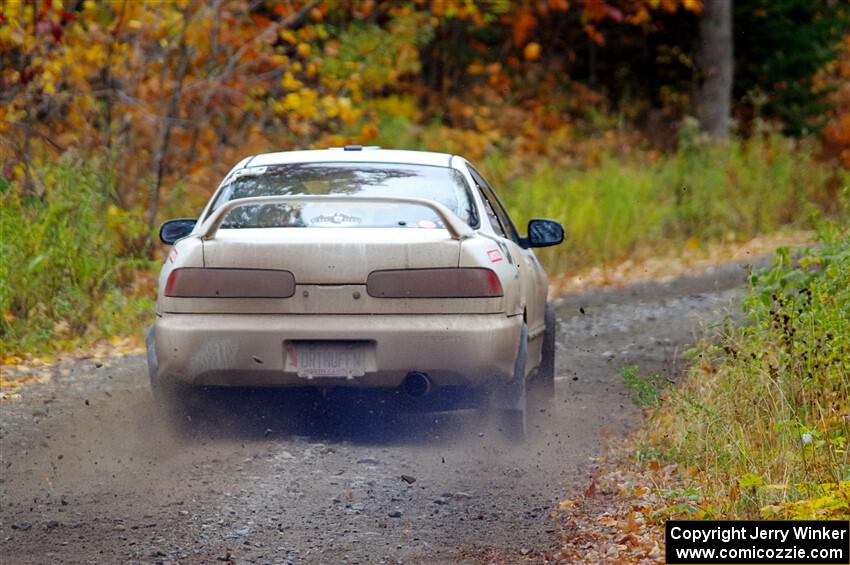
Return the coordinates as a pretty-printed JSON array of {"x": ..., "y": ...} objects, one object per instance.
[{"x": 645, "y": 126}]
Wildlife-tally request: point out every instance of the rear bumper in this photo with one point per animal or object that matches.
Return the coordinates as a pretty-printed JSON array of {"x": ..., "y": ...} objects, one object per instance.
[{"x": 248, "y": 349}]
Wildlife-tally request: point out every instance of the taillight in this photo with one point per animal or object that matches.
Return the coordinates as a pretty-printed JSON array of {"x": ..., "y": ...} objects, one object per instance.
[
  {"x": 434, "y": 283},
  {"x": 229, "y": 283}
]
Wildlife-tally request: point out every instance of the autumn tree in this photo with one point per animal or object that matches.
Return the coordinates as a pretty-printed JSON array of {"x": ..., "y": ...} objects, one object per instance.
[
  {"x": 783, "y": 46},
  {"x": 169, "y": 89},
  {"x": 714, "y": 98}
]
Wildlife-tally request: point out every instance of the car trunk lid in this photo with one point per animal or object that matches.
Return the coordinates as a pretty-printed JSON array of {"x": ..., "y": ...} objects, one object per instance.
[
  {"x": 331, "y": 256},
  {"x": 331, "y": 267}
]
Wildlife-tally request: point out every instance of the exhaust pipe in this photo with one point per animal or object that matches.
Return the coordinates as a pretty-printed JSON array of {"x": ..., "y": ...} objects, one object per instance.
[{"x": 417, "y": 384}]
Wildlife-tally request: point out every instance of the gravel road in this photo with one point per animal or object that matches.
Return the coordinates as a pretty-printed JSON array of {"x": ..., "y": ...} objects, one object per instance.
[{"x": 91, "y": 473}]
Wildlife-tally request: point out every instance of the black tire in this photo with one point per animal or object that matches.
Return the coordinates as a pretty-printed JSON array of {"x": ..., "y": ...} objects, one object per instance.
[
  {"x": 512, "y": 398},
  {"x": 544, "y": 380},
  {"x": 180, "y": 404}
]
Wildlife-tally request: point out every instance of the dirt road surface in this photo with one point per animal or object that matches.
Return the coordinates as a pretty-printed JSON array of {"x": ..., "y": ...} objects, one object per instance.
[{"x": 91, "y": 473}]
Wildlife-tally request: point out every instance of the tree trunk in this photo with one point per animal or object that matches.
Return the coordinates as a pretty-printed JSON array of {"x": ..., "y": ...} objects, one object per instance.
[{"x": 714, "y": 97}]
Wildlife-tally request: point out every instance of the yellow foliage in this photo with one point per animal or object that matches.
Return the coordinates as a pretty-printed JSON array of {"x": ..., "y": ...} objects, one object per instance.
[
  {"x": 532, "y": 51},
  {"x": 292, "y": 101},
  {"x": 832, "y": 503},
  {"x": 396, "y": 106},
  {"x": 289, "y": 82}
]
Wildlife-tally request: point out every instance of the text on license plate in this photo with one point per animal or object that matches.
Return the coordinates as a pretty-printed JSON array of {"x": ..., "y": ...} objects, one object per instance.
[{"x": 329, "y": 358}]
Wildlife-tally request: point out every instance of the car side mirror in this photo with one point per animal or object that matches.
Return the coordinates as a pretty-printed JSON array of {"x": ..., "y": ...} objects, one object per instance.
[
  {"x": 543, "y": 233},
  {"x": 172, "y": 230}
]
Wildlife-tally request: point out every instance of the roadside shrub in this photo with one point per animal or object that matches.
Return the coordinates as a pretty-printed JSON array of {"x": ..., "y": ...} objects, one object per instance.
[
  {"x": 646, "y": 204},
  {"x": 764, "y": 415},
  {"x": 67, "y": 262},
  {"x": 644, "y": 390}
]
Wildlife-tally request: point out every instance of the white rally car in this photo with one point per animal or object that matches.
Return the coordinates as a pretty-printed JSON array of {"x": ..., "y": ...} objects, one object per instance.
[{"x": 355, "y": 267}]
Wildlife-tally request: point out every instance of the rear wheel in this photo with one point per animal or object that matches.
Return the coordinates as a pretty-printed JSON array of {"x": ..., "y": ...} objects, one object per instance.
[
  {"x": 511, "y": 399},
  {"x": 543, "y": 384},
  {"x": 179, "y": 403}
]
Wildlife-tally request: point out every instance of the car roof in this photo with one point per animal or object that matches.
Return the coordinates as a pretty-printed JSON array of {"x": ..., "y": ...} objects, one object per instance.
[{"x": 351, "y": 154}]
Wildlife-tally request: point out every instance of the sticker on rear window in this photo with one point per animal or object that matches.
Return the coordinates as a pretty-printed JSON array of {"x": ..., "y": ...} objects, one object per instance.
[{"x": 338, "y": 218}]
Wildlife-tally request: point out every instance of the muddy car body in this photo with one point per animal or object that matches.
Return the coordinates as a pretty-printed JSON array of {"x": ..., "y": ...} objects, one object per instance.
[{"x": 357, "y": 268}]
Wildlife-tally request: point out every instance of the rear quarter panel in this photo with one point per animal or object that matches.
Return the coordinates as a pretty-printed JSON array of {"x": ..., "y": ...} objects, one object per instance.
[
  {"x": 187, "y": 252},
  {"x": 483, "y": 251}
]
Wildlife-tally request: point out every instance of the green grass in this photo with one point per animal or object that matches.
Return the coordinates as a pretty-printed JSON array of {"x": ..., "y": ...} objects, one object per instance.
[
  {"x": 644, "y": 390},
  {"x": 764, "y": 415},
  {"x": 66, "y": 272},
  {"x": 708, "y": 193}
]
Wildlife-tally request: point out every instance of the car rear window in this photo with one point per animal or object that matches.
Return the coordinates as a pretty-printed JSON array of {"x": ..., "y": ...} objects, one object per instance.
[{"x": 441, "y": 184}]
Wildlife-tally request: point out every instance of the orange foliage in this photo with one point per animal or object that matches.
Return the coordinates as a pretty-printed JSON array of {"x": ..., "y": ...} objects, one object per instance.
[
  {"x": 837, "y": 132},
  {"x": 173, "y": 87}
]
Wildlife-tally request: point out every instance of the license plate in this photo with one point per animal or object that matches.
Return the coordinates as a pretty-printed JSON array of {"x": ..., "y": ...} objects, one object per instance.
[{"x": 312, "y": 359}]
